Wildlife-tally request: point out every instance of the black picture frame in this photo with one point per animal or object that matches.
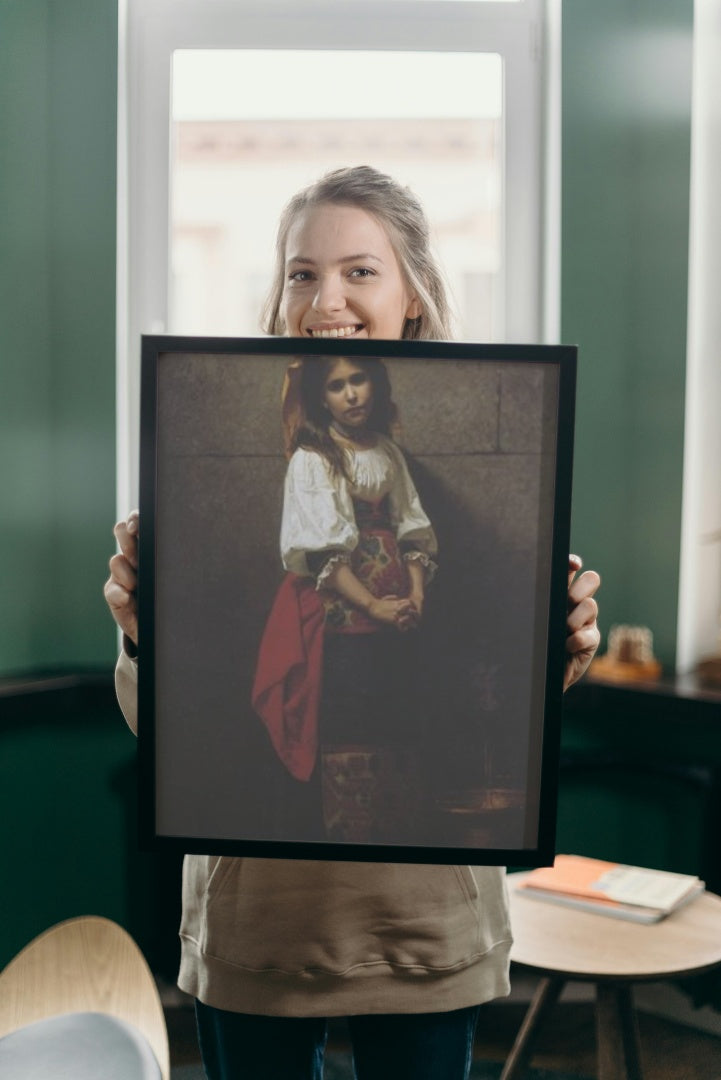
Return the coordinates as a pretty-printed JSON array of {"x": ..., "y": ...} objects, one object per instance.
[{"x": 487, "y": 434}]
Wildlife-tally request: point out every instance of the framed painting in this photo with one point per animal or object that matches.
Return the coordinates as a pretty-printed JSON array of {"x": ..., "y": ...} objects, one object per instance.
[{"x": 352, "y": 597}]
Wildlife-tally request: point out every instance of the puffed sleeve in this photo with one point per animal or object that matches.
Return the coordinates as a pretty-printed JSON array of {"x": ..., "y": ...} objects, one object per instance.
[
  {"x": 413, "y": 527},
  {"x": 317, "y": 512}
]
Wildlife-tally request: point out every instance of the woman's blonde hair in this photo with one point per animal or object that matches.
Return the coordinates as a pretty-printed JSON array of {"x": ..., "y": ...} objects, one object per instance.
[{"x": 403, "y": 217}]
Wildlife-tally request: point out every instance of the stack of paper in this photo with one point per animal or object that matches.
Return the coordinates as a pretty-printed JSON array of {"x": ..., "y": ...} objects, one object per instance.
[{"x": 624, "y": 892}]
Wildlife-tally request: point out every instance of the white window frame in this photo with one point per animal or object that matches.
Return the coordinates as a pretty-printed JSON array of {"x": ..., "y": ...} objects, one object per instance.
[
  {"x": 699, "y": 597},
  {"x": 526, "y": 34}
]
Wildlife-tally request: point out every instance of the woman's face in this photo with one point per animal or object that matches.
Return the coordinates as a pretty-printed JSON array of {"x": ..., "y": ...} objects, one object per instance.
[
  {"x": 342, "y": 277},
  {"x": 348, "y": 394}
]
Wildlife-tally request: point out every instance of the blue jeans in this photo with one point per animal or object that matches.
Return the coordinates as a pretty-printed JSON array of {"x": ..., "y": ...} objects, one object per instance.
[{"x": 415, "y": 1046}]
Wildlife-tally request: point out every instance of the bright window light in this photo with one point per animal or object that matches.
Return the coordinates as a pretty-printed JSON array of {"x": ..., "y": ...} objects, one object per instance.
[{"x": 434, "y": 121}]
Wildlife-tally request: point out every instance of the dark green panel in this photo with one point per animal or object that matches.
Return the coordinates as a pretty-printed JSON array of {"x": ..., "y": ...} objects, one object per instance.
[
  {"x": 68, "y": 786},
  {"x": 58, "y": 76},
  {"x": 644, "y": 821},
  {"x": 26, "y": 490},
  {"x": 64, "y": 786},
  {"x": 626, "y": 146},
  {"x": 641, "y": 780},
  {"x": 83, "y": 74},
  {"x": 66, "y": 767}
]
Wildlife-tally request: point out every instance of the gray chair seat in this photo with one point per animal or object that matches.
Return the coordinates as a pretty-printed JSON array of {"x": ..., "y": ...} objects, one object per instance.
[{"x": 78, "y": 1046}]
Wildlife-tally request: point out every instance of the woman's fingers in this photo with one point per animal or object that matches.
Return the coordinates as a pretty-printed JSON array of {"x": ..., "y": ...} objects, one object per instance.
[
  {"x": 582, "y": 589},
  {"x": 584, "y": 612},
  {"x": 126, "y": 534},
  {"x": 575, "y": 563},
  {"x": 123, "y": 607},
  {"x": 584, "y": 641},
  {"x": 583, "y": 635},
  {"x": 123, "y": 572},
  {"x": 120, "y": 589}
]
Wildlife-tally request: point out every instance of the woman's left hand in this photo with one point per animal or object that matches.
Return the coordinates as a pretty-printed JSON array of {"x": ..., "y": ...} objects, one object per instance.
[{"x": 583, "y": 635}]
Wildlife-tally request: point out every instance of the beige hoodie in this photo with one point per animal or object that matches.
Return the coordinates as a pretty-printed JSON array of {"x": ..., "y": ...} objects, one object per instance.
[{"x": 285, "y": 937}]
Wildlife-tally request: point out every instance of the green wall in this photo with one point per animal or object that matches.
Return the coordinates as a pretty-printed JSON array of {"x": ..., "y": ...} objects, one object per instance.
[
  {"x": 641, "y": 781},
  {"x": 58, "y": 73},
  {"x": 67, "y": 761},
  {"x": 626, "y": 146},
  {"x": 626, "y": 137},
  {"x": 626, "y": 127},
  {"x": 68, "y": 804}
]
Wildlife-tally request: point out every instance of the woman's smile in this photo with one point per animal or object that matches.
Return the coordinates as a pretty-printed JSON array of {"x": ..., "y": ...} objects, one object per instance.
[{"x": 334, "y": 331}]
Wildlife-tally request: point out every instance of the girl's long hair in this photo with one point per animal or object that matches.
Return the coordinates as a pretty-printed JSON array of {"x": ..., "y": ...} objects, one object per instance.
[
  {"x": 402, "y": 216},
  {"x": 313, "y": 431}
]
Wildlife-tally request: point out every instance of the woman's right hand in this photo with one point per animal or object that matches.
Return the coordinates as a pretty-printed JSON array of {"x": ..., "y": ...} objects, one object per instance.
[{"x": 121, "y": 587}]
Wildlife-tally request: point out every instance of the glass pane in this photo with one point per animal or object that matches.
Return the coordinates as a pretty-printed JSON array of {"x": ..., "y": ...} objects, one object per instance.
[
  {"x": 250, "y": 128},
  {"x": 462, "y": 1}
]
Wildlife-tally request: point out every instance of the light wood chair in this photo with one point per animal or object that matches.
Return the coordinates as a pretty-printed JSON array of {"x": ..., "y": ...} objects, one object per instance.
[{"x": 87, "y": 965}]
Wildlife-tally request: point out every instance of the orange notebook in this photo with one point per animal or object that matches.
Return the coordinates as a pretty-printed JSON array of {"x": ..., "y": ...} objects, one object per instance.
[{"x": 632, "y": 892}]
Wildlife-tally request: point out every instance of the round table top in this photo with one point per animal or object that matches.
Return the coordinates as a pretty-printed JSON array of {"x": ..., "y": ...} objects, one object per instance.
[{"x": 559, "y": 940}]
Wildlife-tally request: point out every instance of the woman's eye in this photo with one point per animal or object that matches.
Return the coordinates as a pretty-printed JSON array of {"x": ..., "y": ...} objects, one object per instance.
[
  {"x": 362, "y": 272},
  {"x": 358, "y": 380},
  {"x": 334, "y": 387},
  {"x": 299, "y": 276}
]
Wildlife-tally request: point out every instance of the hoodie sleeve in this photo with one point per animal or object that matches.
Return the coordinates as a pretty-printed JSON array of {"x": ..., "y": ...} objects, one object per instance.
[{"x": 126, "y": 688}]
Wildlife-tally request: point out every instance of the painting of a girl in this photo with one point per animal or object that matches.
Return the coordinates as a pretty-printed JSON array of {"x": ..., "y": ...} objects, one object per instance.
[{"x": 337, "y": 677}]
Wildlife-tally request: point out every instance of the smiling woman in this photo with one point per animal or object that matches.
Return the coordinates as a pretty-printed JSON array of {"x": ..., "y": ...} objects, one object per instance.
[
  {"x": 445, "y": 133},
  {"x": 336, "y": 294},
  {"x": 446, "y": 96},
  {"x": 353, "y": 259}
]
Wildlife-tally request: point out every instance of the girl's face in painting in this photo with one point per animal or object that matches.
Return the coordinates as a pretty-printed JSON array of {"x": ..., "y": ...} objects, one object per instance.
[
  {"x": 342, "y": 277},
  {"x": 348, "y": 394}
]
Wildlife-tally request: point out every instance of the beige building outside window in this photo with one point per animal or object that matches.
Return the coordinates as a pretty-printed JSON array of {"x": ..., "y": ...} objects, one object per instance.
[{"x": 235, "y": 163}]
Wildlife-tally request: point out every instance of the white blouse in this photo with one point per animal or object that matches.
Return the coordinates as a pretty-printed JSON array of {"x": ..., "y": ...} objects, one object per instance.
[{"x": 318, "y": 508}]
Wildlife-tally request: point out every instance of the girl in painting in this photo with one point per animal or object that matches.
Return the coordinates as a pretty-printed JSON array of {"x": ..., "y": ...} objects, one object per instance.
[{"x": 359, "y": 551}]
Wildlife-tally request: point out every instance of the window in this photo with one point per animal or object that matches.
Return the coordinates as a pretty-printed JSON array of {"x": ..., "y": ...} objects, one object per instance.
[
  {"x": 447, "y": 95},
  {"x": 236, "y": 161},
  {"x": 699, "y": 623}
]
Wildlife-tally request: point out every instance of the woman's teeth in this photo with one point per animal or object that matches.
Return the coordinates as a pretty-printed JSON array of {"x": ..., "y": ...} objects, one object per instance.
[{"x": 337, "y": 331}]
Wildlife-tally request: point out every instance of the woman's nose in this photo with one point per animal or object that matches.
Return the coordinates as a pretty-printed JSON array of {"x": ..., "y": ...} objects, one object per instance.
[
  {"x": 351, "y": 392},
  {"x": 329, "y": 295}
]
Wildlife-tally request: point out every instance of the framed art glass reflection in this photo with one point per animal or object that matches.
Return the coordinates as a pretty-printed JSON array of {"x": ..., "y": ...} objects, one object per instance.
[{"x": 352, "y": 592}]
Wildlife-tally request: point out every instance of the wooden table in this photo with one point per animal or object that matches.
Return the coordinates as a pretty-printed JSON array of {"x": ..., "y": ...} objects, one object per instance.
[{"x": 563, "y": 944}]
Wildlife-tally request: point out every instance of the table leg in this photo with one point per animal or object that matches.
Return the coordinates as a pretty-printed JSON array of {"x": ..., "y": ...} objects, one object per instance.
[
  {"x": 617, "y": 1033},
  {"x": 545, "y": 997}
]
